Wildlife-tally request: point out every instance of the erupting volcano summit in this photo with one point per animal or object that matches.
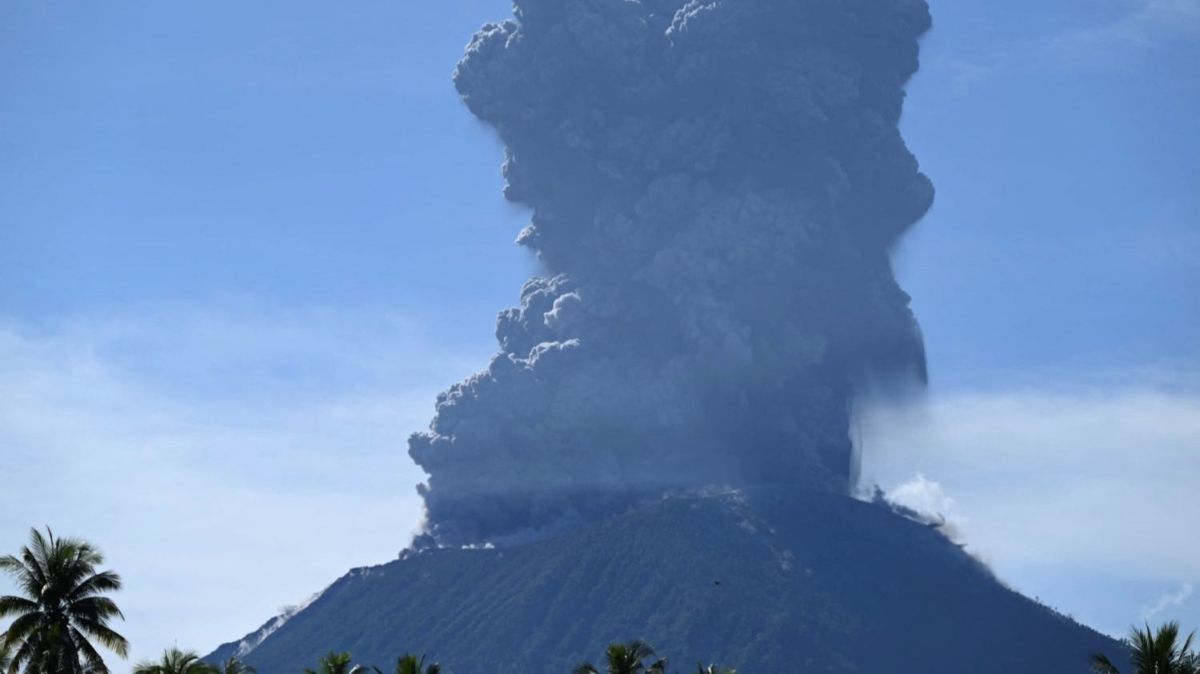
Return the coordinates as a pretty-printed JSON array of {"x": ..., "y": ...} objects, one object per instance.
[{"x": 715, "y": 187}]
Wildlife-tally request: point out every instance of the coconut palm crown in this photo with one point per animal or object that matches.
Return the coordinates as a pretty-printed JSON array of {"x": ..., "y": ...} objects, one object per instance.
[
  {"x": 627, "y": 659},
  {"x": 1152, "y": 652},
  {"x": 411, "y": 664},
  {"x": 175, "y": 661},
  {"x": 60, "y": 615},
  {"x": 337, "y": 663}
]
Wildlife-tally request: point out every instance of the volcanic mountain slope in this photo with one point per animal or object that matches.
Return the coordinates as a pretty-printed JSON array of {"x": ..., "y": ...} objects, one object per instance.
[{"x": 764, "y": 582}]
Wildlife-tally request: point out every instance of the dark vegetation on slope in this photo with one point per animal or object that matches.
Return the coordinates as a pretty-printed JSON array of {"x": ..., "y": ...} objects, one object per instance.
[{"x": 764, "y": 582}]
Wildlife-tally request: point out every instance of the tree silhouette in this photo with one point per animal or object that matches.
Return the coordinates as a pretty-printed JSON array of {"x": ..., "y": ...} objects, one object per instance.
[
  {"x": 337, "y": 663},
  {"x": 1153, "y": 652},
  {"x": 175, "y": 661},
  {"x": 411, "y": 664},
  {"x": 60, "y": 611},
  {"x": 627, "y": 659}
]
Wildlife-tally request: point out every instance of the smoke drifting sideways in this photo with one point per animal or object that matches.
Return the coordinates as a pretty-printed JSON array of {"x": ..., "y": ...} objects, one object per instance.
[{"x": 715, "y": 188}]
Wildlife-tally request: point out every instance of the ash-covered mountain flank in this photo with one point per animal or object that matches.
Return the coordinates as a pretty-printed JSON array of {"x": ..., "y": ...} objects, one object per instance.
[
  {"x": 769, "y": 582},
  {"x": 715, "y": 186}
]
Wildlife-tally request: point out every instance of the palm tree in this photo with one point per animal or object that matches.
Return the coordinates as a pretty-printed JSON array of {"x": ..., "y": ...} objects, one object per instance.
[
  {"x": 235, "y": 666},
  {"x": 1154, "y": 653},
  {"x": 627, "y": 659},
  {"x": 4, "y": 658},
  {"x": 337, "y": 663},
  {"x": 61, "y": 610},
  {"x": 175, "y": 661},
  {"x": 411, "y": 664},
  {"x": 713, "y": 669}
]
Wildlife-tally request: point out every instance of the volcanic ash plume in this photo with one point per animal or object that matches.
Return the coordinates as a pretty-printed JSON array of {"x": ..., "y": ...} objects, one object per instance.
[{"x": 715, "y": 186}]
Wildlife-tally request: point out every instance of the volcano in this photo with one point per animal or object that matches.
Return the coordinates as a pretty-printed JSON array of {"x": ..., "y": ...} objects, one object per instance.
[
  {"x": 715, "y": 187},
  {"x": 769, "y": 581}
]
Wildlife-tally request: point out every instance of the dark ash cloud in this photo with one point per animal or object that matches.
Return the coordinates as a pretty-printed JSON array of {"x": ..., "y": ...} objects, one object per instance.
[{"x": 715, "y": 186}]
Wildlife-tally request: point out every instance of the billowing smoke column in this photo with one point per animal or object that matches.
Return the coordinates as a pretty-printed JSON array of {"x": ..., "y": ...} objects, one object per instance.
[{"x": 715, "y": 186}]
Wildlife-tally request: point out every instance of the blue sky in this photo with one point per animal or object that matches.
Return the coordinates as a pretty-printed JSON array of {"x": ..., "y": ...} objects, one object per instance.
[{"x": 243, "y": 246}]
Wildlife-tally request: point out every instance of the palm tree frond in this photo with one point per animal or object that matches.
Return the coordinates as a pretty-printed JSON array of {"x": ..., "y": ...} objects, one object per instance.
[
  {"x": 106, "y": 636},
  {"x": 91, "y": 658},
  {"x": 61, "y": 607},
  {"x": 16, "y": 605},
  {"x": 98, "y": 583}
]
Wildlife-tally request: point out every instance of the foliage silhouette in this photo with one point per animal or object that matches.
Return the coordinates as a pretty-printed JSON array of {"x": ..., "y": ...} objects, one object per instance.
[
  {"x": 337, "y": 663},
  {"x": 175, "y": 661},
  {"x": 1153, "y": 652},
  {"x": 627, "y": 659},
  {"x": 61, "y": 610},
  {"x": 411, "y": 664}
]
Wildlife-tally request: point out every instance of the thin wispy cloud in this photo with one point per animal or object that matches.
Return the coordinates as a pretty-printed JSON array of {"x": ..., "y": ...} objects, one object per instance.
[
  {"x": 1054, "y": 482},
  {"x": 1145, "y": 25},
  {"x": 228, "y": 460},
  {"x": 1141, "y": 26},
  {"x": 1169, "y": 600},
  {"x": 1154, "y": 21}
]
